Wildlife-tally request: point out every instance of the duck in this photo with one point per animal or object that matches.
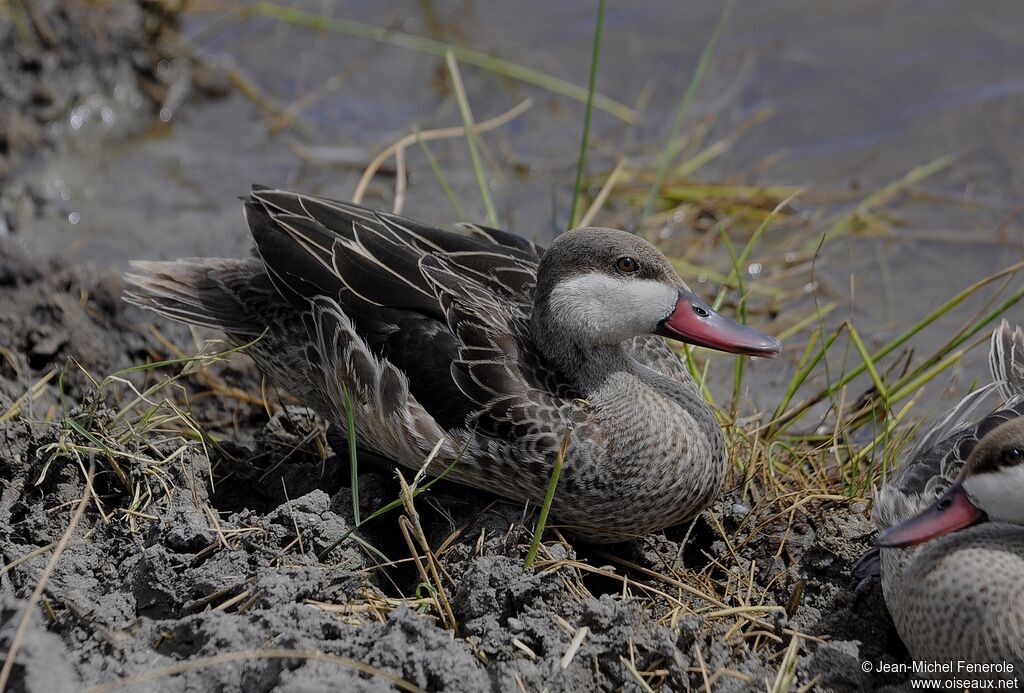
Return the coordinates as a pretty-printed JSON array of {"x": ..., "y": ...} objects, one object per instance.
[
  {"x": 477, "y": 354},
  {"x": 952, "y": 529}
]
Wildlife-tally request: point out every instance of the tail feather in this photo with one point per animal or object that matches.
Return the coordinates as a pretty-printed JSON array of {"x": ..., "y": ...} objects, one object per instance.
[
  {"x": 210, "y": 292},
  {"x": 1006, "y": 359}
]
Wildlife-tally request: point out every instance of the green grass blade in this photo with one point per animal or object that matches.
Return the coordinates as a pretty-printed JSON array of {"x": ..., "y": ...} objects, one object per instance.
[
  {"x": 353, "y": 458},
  {"x": 681, "y": 111},
  {"x": 905, "y": 383},
  {"x": 802, "y": 374},
  {"x": 741, "y": 315},
  {"x": 735, "y": 276},
  {"x": 474, "y": 152},
  {"x": 549, "y": 496},
  {"x": 441, "y": 178},
  {"x": 905, "y": 336},
  {"x": 581, "y": 164},
  {"x": 381, "y": 556},
  {"x": 422, "y": 44},
  {"x": 868, "y": 363}
]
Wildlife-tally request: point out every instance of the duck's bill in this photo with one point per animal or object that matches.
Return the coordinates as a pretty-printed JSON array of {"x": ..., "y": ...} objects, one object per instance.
[
  {"x": 694, "y": 322},
  {"x": 951, "y": 512}
]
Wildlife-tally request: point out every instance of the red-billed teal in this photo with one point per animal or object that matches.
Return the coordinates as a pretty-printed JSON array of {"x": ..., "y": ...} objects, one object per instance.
[{"x": 483, "y": 340}]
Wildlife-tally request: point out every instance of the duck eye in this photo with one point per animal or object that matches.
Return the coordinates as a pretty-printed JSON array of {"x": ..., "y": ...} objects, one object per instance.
[
  {"x": 627, "y": 265},
  {"x": 701, "y": 311}
]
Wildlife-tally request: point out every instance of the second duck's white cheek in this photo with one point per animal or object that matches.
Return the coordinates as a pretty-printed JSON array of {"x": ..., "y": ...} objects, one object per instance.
[
  {"x": 607, "y": 309},
  {"x": 998, "y": 493}
]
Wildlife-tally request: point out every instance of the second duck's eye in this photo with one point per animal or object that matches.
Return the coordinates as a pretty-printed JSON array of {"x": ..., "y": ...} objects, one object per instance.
[
  {"x": 1014, "y": 455},
  {"x": 627, "y": 265}
]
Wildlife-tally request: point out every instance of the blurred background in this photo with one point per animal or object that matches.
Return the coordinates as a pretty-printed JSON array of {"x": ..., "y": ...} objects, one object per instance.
[{"x": 886, "y": 136}]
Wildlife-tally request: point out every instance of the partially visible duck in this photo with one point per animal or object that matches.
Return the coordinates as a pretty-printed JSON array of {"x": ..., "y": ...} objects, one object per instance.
[
  {"x": 952, "y": 545},
  {"x": 483, "y": 340}
]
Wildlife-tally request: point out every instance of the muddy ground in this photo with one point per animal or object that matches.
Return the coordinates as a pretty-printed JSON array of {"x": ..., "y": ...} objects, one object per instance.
[
  {"x": 223, "y": 562},
  {"x": 190, "y": 550}
]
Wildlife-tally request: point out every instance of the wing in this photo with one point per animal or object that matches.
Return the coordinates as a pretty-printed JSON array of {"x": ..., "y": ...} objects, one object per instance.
[
  {"x": 370, "y": 264},
  {"x": 504, "y": 238},
  {"x": 932, "y": 465},
  {"x": 389, "y": 419},
  {"x": 519, "y": 398}
]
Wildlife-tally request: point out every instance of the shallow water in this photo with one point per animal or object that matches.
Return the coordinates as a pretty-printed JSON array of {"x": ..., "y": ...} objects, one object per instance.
[{"x": 862, "y": 92}]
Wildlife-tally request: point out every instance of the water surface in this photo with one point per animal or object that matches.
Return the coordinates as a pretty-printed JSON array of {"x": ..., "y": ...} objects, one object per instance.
[{"x": 861, "y": 92}]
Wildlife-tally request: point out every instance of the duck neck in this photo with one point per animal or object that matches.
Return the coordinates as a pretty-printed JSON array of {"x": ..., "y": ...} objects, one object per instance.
[
  {"x": 608, "y": 372},
  {"x": 591, "y": 370},
  {"x": 585, "y": 366}
]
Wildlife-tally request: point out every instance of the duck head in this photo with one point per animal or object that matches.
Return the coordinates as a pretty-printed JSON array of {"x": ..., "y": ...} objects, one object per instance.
[
  {"x": 600, "y": 287},
  {"x": 990, "y": 487}
]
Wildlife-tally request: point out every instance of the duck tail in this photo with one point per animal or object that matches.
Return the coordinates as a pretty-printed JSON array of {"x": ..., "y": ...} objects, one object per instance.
[
  {"x": 208, "y": 292},
  {"x": 1006, "y": 359}
]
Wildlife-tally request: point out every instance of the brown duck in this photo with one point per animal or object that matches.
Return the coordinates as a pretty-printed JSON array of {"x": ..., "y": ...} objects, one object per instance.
[{"x": 484, "y": 341}]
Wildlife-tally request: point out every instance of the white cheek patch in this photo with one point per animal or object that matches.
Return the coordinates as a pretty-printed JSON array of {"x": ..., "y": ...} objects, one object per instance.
[
  {"x": 604, "y": 309},
  {"x": 1000, "y": 493}
]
